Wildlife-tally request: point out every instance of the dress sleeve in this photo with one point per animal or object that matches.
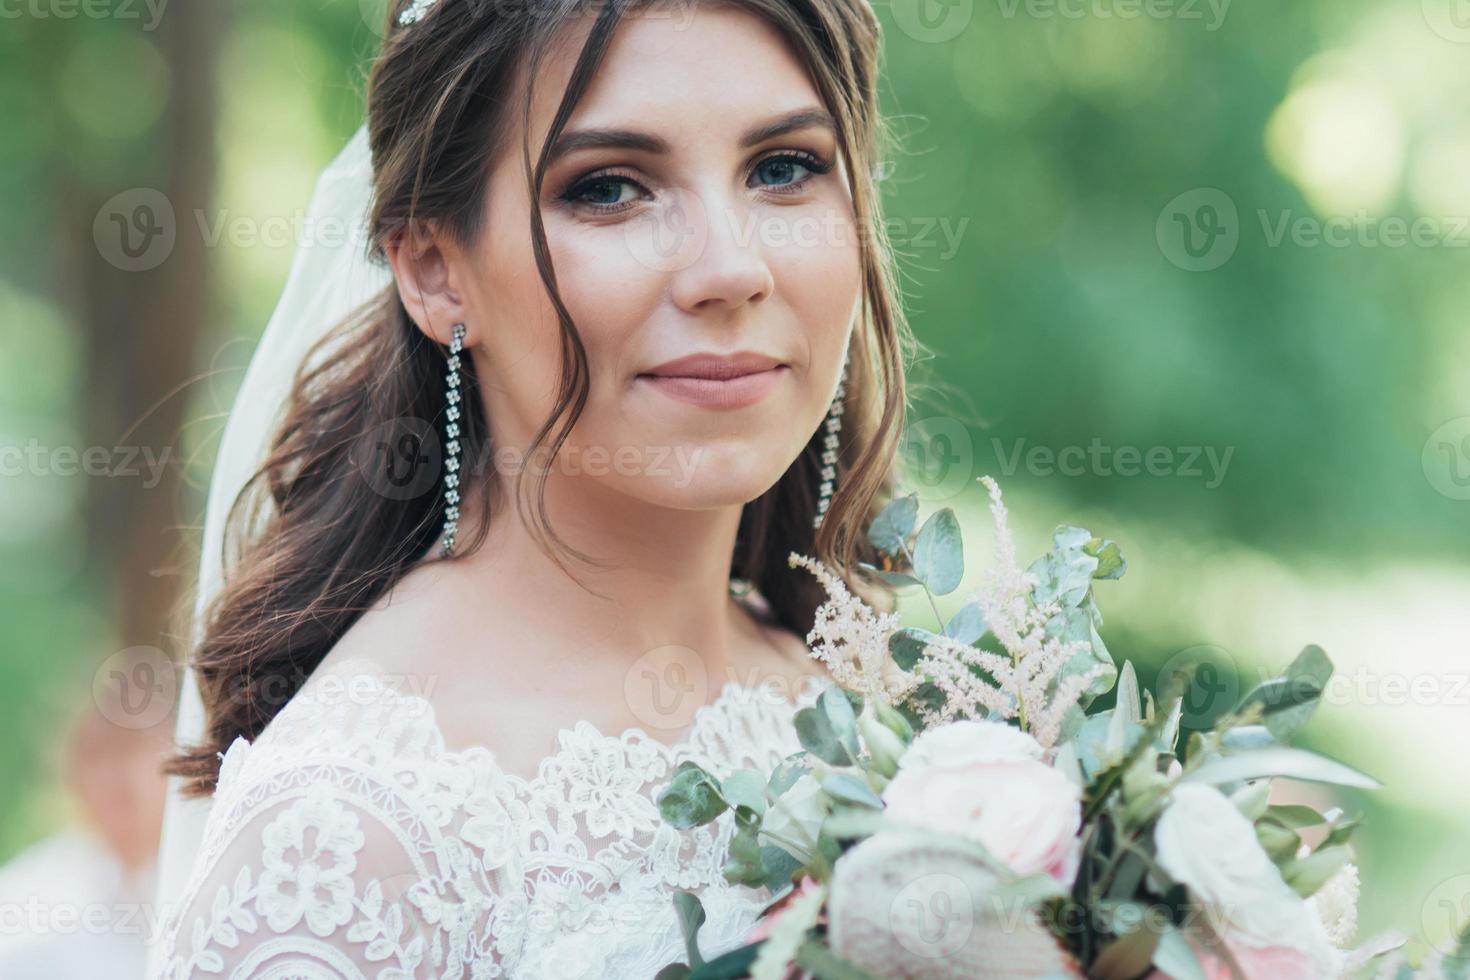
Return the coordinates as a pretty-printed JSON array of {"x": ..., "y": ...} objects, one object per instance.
[
  {"x": 333, "y": 857},
  {"x": 313, "y": 885}
]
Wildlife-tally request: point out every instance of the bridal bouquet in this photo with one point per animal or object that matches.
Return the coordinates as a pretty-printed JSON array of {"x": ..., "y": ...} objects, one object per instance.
[{"x": 960, "y": 811}]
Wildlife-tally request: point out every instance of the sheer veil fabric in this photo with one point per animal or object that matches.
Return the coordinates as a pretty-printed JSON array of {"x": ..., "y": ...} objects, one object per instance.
[{"x": 331, "y": 276}]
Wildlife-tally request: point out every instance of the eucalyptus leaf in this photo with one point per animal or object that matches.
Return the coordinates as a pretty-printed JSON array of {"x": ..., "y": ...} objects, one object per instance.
[
  {"x": 906, "y": 645},
  {"x": 967, "y": 625},
  {"x": 1168, "y": 739},
  {"x": 1247, "y": 737},
  {"x": 894, "y": 523},
  {"x": 1110, "y": 561},
  {"x": 1175, "y": 958},
  {"x": 1342, "y": 830},
  {"x": 828, "y": 729},
  {"x": 785, "y": 776},
  {"x": 1279, "y": 761},
  {"x": 780, "y": 866},
  {"x": 817, "y": 959},
  {"x": 1253, "y": 799},
  {"x": 729, "y": 966},
  {"x": 744, "y": 865},
  {"x": 897, "y": 579},
  {"x": 1308, "y": 874},
  {"x": 692, "y": 797},
  {"x": 691, "y": 917},
  {"x": 939, "y": 554},
  {"x": 846, "y": 822},
  {"x": 844, "y": 787},
  {"x": 1128, "y": 704},
  {"x": 1064, "y": 574},
  {"x": 1278, "y": 841},
  {"x": 1287, "y": 702},
  {"x": 1295, "y": 815},
  {"x": 745, "y": 787}
]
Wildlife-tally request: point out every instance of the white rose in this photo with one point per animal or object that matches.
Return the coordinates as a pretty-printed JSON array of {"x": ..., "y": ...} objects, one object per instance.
[
  {"x": 985, "y": 780},
  {"x": 796, "y": 817},
  {"x": 1208, "y": 845},
  {"x": 959, "y": 744}
]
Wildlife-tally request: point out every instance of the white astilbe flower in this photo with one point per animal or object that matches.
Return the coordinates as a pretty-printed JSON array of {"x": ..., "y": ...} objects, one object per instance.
[
  {"x": 851, "y": 638},
  {"x": 1336, "y": 904},
  {"x": 1019, "y": 679}
]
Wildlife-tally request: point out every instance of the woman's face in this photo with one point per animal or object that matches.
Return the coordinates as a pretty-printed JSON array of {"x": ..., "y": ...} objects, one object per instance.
[{"x": 700, "y": 208}]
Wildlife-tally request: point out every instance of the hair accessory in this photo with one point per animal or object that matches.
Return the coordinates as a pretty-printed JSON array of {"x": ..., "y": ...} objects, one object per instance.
[
  {"x": 451, "y": 441},
  {"x": 415, "y": 12},
  {"x": 829, "y": 450}
]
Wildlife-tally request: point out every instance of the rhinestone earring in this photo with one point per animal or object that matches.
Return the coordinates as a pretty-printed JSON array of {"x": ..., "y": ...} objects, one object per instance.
[
  {"x": 829, "y": 448},
  {"x": 451, "y": 440}
]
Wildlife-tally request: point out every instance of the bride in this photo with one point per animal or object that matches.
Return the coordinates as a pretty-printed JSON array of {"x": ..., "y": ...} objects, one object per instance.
[{"x": 514, "y": 540}]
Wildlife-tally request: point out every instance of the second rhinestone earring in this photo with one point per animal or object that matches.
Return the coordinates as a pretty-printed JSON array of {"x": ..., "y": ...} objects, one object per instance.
[
  {"x": 830, "y": 443},
  {"x": 451, "y": 440}
]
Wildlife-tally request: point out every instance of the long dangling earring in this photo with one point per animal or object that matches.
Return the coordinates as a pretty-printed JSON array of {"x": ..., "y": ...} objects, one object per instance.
[
  {"x": 829, "y": 448},
  {"x": 451, "y": 441}
]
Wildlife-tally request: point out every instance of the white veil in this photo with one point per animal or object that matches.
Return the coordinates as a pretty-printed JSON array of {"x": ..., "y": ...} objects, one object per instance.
[{"x": 331, "y": 276}]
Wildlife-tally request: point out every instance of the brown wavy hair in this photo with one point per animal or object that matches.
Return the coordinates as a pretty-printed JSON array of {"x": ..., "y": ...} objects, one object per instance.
[{"x": 313, "y": 540}]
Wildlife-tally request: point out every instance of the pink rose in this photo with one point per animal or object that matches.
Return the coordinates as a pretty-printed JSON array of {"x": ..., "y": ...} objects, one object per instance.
[
  {"x": 1206, "y": 844},
  {"x": 985, "y": 780}
]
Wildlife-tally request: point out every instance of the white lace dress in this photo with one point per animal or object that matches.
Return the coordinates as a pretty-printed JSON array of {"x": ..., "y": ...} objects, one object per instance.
[{"x": 347, "y": 841}]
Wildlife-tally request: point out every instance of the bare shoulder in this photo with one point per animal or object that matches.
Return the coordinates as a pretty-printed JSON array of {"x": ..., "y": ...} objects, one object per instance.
[{"x": 400, "y": 639}]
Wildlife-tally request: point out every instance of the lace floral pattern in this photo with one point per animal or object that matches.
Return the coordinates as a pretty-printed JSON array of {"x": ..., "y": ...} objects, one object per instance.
[{"x": 347, "y": 841}]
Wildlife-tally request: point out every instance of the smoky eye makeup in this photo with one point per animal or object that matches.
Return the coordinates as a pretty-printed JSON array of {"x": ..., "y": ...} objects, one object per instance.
[{"x": 611, "y": 190}]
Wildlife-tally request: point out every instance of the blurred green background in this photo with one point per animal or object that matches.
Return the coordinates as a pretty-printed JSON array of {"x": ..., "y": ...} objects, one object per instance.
[{"x": 1199, "y": 271}]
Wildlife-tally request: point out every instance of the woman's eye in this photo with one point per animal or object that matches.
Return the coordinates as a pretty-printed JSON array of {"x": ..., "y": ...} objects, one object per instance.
[
  {"x": 603, "y": 192},
  {"x": 788, "y": 170},
  {"x": 610, "y": 193}
]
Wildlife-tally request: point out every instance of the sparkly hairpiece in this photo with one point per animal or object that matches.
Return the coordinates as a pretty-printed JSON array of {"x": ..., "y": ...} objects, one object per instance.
[{"x": 415, "y": 12}]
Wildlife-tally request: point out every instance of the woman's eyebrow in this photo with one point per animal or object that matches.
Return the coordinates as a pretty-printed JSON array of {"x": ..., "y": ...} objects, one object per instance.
[{"x": 632, "y": 139}]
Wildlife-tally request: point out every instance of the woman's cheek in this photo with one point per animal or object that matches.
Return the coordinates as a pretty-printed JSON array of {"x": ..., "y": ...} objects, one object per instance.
[{"x": 820, "y": 274}]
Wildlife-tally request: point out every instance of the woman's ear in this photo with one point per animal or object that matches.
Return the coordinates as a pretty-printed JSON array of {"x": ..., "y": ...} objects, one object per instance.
[{"x": 422, "y": 262}]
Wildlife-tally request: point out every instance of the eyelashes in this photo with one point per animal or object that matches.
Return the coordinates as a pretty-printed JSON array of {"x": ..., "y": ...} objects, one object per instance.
[{"x": 600, "y": 182}]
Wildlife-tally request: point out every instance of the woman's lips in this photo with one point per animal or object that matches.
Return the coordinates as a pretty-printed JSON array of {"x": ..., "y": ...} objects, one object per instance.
[{"x": 737, "y": 392}]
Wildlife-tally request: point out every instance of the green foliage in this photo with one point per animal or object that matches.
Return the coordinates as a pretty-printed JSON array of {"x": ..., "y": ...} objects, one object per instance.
[
  {"x": 692, "y": 798},
  {"x": 828, "y": 730}
]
